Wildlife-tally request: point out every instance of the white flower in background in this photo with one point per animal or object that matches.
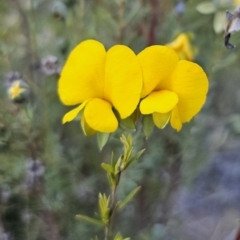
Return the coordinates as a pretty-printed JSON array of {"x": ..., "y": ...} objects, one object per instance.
[
  {"x": 50, "y": 66},
  {"x": 218, "y": 9}
]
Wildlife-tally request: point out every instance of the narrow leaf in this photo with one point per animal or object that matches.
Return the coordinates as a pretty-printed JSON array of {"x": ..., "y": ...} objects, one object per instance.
[
  {"x": 89, "y": 220},
  {"x": 148, "y": 125},
  {"x": 128, "y": 154},
  {"x": 134, "y": 158},
  {"x": 102, "y": 139},
  {"x": 118, "y": 165},
  {"x": 118, "y": 237},
  {"x": 112, "y": 160},
  {"x": 135, "y": 115},
  {"x": 107, "y": 167},
  {"x": 96, "y": 238},
  {"x": 129, "y": 197},
  {"x": 111, "y": 180},
  {"x": 87, "y": 130},
  {"x": 128, "y": 122}
]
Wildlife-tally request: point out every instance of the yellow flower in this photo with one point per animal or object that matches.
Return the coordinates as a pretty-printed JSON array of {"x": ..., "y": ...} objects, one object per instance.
[
  {"x": 182, "y": 47},
  {"x": 15, "y": 90},
  {"x": 173, "y": 89},
  {"x": 236, "y": 3},
  {"x": 100, "y": 81}
]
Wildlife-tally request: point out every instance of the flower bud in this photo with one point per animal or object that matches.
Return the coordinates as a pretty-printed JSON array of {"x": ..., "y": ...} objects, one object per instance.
[
  {"x": 50, "y": 66},
  {"x": 18, "y": 92},
  {"x": 17, "y": 89}
]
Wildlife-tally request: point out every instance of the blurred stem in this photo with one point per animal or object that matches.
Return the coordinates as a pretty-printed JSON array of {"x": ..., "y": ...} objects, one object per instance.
[
  {"x": 153, "y": 22},
  {"x": 121, "y": 24},
  {"x": 26, "y": 29},
  {"x": 113, "y": 202},
  {"x": 81, "y": 12},
  {"x": 33, "y": 20}
]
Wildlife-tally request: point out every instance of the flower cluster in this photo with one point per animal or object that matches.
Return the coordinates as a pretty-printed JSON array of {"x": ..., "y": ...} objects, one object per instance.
[{"x": 111, "y": 85}]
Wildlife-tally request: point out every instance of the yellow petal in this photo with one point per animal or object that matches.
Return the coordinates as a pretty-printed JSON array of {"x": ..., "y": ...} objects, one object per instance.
[
  {"x": 236, "y": 3},
  {"x": 190, "y": 83},
  {"x": 182, "y": 46},
  {"x": 100, "y": 117},
  {"x": 175, "y": 120},
  {"x": 161, "y": 119},
  {"x": 69, "y": 116},
  {"x": 15, "y": 90},
  {"x": 82, "y": 76},
  {"x": 177, "y": 43},
  {"x": 160, "y": 101},
  {"x": 123, "y": 79},
  {"x": 157, "y": 63}
]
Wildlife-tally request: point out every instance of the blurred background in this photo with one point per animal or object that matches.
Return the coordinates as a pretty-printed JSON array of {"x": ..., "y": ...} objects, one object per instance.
[{"x": 50, "y": 172}]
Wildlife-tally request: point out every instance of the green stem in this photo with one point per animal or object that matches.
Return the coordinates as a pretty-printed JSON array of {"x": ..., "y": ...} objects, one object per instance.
[
  {"x": 107, "y": 232},
  {"x": 109, "y": 225}
]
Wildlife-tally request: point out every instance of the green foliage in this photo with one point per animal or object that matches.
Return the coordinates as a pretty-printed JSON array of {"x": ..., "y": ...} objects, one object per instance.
[
  {"x": 102, "y": 139},
  {"x": 124, "y": 161},
  {"x": 119, "y": 237},
  {"x": 40, "y": 200},
  {"x": 104, "y": 208},
  {"x": 148, "y": 125},
  {"x": 89, "y": 220},
  {"x": 130, "y": 196},
  {"x": 108, "y": 205}
]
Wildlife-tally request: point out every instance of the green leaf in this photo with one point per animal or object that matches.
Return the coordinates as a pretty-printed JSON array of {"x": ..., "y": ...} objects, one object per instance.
[
  {"x": 104, "y": 207},
  {"x": 206, "y": 7},
  {"x": 102, "y": 139},
  {"x": 96, "y": 238},
  {"x": 111, "y": 179},
  {"x": 129, "y": 197},
  {"x": 135, "y": 115},
  {"x": 118, "y": 165},
  {"x": 87, "y": 130},
  {"x": 148, "y": 125},
  {"x": 127, "y": 145},
  {"x": 219, "y": 22},
  {"x": 112, "y": 160},
  {"x": 126, "y": 141},
  {"x": 107, "y": 167},
  {"x": 128, "y": 122},
  {"x": 128, "y": 154},
  {"x": 89, "y": 220},
  {"x": 134, "y": 158},
  {"x": 119, "y": 237}
]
